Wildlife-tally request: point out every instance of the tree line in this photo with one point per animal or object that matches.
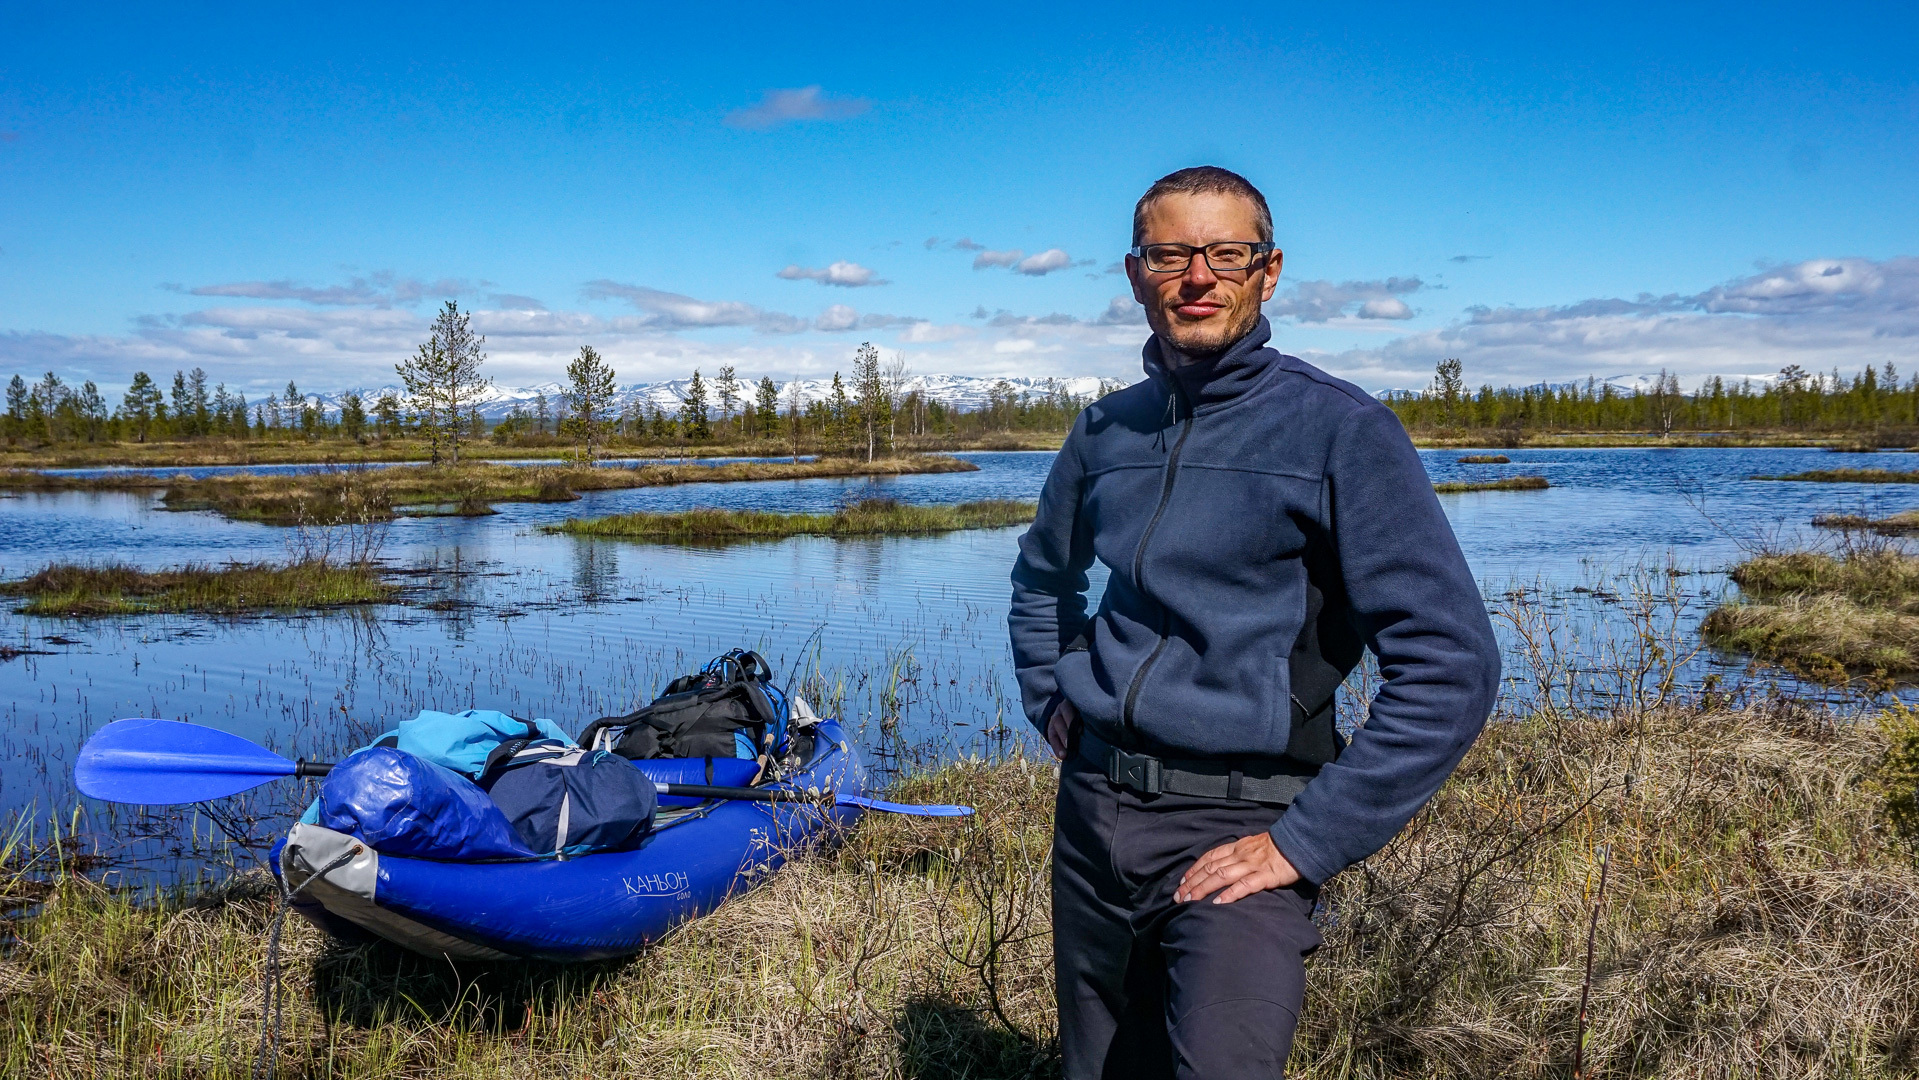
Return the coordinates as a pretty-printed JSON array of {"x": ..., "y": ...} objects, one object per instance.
[
  {"x": 1797, "y": 401},
  {"x": 442, "y": 385}
]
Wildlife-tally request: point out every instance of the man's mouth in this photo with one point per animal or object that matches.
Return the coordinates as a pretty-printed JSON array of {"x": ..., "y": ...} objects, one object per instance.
[{"x": 1200, "y": 309}]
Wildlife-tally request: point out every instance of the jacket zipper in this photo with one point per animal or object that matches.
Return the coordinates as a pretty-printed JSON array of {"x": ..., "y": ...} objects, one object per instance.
[{"x": 1139, "y": 572}]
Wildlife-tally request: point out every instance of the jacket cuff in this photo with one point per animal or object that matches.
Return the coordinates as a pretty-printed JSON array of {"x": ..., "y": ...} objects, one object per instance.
[
  {"x": 1312, "y": 863},
  {"x": 1046, "y": 712}
]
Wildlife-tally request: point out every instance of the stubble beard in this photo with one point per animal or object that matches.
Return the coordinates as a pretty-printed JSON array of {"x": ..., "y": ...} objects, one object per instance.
[{"x": 1205, "y": 339}]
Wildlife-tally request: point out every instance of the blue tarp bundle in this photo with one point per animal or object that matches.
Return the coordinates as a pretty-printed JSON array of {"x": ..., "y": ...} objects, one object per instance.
[{"x": 400, "y": 803}]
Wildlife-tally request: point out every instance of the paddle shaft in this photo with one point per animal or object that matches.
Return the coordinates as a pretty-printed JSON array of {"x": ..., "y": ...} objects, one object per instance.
[{"x": 693, "y": 791}]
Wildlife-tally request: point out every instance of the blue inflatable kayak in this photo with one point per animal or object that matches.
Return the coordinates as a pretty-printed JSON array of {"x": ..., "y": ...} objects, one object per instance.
[{"x": 586, "y": 908}]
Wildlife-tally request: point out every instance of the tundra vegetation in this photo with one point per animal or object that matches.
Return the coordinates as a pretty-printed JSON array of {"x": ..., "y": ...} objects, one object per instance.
[
  {"x": 358, "y": 495},
  {"x": 868, "y": 517},
  {"x": 239, "y": 588},
  {"x": 1903, "y": 523},
  {"x": 1851, "y": 476},
  {"x": 1485, "y": 459},
  {"x": 1642, "y": 878},
  {"x": 1505, "y": 483},
  {"x": 1830, "y": 616}
]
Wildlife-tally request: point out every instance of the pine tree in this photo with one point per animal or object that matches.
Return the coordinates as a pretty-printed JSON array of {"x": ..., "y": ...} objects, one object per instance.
[
  {"x": 693, "y": 419},
  {"x": 869, "y": 385},
  {"x": 352, "y": 415},
  {"x": 443, "y": 378},
  {"x": 137, "y": 406},
  {"x": 727, "y": 386},
  {"x": 17, "y": 409},
  {"x": 201, "y": 417},
  {"x": 589, "y": 393},
  {"x": 767, "y": 408},
  {"x": 839, "y": 411},
  {"x": 290, "y": 405}
]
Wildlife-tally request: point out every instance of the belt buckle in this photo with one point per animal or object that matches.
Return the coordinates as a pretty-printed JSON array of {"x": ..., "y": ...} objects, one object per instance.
[{"x": 1137, "y": 771}]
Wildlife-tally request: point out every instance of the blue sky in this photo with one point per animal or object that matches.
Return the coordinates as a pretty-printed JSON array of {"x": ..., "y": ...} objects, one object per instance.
[{"x": 276, "y": 192}]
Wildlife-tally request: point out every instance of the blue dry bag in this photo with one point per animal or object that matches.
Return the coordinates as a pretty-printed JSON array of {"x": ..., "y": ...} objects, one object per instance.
[{"x": 403, "y": 804}]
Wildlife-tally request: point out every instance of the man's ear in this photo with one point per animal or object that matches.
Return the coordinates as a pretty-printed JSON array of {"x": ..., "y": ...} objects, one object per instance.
[
  {"x": 1133, "y": 274},
  {"x": 1273, "y": 261}
]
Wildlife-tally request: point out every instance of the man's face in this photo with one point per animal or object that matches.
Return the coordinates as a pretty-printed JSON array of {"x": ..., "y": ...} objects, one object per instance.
[{"x": 1202, "y": 310}]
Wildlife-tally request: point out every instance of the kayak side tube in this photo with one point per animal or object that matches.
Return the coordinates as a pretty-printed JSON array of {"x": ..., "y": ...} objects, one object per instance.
[{"x": 586, "y": 908}]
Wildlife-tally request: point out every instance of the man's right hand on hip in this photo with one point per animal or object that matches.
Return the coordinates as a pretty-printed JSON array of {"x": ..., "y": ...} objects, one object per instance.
[{"x": 1059, "y": 730}]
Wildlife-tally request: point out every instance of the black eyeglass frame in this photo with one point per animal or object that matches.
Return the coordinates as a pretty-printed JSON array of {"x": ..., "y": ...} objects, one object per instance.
[{"x": 1260, "y": 247}]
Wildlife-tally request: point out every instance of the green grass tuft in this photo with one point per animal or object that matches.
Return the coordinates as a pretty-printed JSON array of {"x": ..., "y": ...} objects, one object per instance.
[
  {"x": 1851, "y": 476},
  {"x": 869, "y": 517},
  {"x": 115, "y": 589},
  {"x": 1509, "y": 483}
]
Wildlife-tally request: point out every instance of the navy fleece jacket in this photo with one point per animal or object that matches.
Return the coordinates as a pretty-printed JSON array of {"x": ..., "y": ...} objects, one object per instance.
[{"x": 1203, "y": 492}]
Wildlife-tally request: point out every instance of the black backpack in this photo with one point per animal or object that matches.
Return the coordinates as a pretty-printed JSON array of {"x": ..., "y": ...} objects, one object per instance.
[{"x": 699, "y": 715}]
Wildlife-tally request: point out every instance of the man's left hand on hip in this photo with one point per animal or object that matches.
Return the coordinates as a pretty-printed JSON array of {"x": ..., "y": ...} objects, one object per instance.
[{"x": 1238, "y": 869}]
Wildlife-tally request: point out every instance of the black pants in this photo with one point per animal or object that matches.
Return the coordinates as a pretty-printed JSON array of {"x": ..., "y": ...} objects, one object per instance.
[{"x": 1151, "y": 988}]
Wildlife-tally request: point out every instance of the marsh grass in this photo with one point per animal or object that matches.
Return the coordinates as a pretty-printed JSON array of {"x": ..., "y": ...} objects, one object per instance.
[
  {"x": 868, "y": 517},
  {"x": 1827, "y": 616},
  {"x": 1904, "y": 523},
  {"x": 360, "y": 495},
  {"x": 1759, "y": 923},
  {"x": 1509, "y": 483},
  {"x": 1851, "y": 476},
  {"x": 1485, "y": 459},
  {"x": 69, "y": 589}
]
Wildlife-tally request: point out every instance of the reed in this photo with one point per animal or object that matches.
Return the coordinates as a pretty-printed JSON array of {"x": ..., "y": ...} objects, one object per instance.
[
  {"x": 868, "y": 517},
  {"x": 1509, "y": 483},
  {"x": 1851, "y": 476},
  {"x": 70, "y": 589}
]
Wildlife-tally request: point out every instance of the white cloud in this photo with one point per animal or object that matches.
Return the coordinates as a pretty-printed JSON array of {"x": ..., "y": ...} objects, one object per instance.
[
  {"x": 779, "y": 107},
  {"x": 1122, "y": 310},
  {"x": 382, "y": 289},
  {"x": 1044, "y": 263},
  {"x": 1820, "y": 314},
  {"x": 1322, "y": 301},
  {"x": 997, "y": 258},
  {"x": 838, "y": 317},
  {"x": 850, "y": 275},
  {"x": 671, "y": 311}
]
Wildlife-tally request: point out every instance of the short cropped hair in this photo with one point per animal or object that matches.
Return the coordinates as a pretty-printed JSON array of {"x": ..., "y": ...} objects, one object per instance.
[{"x": 1203, "y": 180}]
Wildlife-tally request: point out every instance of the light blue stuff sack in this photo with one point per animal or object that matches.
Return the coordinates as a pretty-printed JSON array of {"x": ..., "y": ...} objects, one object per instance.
[
  {"x": 457, "y": 741},
  {"x": 461, "y": 741},
  {"x": 401, "y": 804}
]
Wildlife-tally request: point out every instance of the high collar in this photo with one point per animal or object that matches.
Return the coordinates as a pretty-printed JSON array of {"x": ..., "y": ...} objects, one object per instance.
[{"x": 1221, "y": 377}]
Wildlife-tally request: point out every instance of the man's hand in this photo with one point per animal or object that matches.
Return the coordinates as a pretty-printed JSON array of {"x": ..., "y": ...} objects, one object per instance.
[
  {"x": 1243, "y": 867},
  {"x": 1059, "y": 729}
]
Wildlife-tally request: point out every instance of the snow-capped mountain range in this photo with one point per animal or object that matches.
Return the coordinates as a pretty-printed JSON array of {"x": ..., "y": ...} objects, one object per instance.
[{"x": 962, "y": 392}]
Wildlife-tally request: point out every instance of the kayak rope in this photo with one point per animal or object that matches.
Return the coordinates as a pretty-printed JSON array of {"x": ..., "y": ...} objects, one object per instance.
[{"x": 266, "y": 1054}]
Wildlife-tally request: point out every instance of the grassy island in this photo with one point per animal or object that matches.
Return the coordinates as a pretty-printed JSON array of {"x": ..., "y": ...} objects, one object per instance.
[
  {"x": 1510, "y": 483},
  {"x": 869, "y": 517},
  {"x": 112, "y": 589},
  {"x": 1485, "y": 459},
  {"x": 1851, "y": 476},
  {"x": 1758, "y": 919},
  {"x": 1827, "y": 617},
  {"x": 356, "y": 495},
  {"x": 1904, "y": 523}
]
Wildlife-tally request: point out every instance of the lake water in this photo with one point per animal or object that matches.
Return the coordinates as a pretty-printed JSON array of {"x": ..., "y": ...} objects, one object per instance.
[{"x": 903, "y": 636}]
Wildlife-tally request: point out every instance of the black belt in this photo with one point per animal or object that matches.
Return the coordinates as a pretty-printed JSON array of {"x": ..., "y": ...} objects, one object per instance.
[{"x": 1260, "y": 780}]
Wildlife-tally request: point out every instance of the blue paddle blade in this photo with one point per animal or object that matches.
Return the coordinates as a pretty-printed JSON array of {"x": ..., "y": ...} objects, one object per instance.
[
  {"x": 165, "y": 761},
  {"x": 917, "y": 809}
]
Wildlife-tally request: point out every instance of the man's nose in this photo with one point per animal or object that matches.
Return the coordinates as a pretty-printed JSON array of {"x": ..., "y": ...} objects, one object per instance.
[{"x": 1199, "y": 273}]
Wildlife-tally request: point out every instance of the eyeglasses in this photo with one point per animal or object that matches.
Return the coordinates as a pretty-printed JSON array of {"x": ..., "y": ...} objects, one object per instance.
[{"x": 1223, "y": 257}]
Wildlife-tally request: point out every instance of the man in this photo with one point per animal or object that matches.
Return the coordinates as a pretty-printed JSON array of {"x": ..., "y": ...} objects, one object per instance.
[{"x": 1261, "y": 522}]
